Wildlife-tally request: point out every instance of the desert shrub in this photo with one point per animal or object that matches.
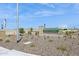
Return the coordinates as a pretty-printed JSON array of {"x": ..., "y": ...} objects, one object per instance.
[
  {"x": 62, "y": 48},
  {"x": 36, "y": 33},
  {"x": 9, "y": 35},
  {"x": 29, "y": 33},
  {"x": 32, "y": 45},
  {"x": 7, "y": 41},
  {"x": 1, "y": 39},
  {"x": 50, "y": 40},
  {"x": 65, "y": 49},
  {"x": 78, "y": 43},
  {"x": 64, "y": 36},
  {"x": 47, "y": 36},
  {"x": 59, "y": 37},
  {"x": 69, "y": 33}
]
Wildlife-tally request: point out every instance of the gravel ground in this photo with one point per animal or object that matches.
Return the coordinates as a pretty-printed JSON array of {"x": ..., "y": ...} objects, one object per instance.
[{"x": 46, "y": 45}]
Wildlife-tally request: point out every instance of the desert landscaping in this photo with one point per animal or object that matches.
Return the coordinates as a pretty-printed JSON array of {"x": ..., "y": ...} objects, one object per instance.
[
  {"x": 50, "y": 29},
  {"x": 48, "y": 44}
]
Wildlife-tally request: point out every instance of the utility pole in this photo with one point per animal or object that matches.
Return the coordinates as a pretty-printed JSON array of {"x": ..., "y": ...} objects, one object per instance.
[
  {"x": 17, "y": 21},
  {"x": 5, "y": 21}
]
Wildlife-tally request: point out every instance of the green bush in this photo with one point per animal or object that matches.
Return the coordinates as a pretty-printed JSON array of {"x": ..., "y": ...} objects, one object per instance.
[{"x": 21, "y": 31}]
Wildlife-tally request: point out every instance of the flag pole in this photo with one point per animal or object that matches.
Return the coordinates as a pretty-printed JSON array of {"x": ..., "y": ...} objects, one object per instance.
[{"x": 17, "y": 21}]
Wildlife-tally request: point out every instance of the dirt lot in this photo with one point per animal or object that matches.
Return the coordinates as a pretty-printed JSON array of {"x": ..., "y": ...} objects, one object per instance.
[{"x": 46, "y": 45}]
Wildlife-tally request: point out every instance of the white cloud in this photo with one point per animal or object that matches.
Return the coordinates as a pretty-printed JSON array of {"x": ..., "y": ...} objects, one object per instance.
[
  {"x": 64, "y": 5},
  {"x": 42, "y": 13},
  {"x": 48, "y": 5},
  {"x": 49, "y": 13},
  {"x": 8, "y": 12}
]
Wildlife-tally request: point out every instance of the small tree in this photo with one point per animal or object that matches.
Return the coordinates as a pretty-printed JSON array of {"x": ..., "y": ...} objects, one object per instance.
[
  {"x": 31, "y": 29},
  {"x": 21, "y": 31}
]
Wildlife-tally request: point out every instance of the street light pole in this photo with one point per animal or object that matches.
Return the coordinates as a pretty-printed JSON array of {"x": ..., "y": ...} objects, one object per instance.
[{"x": 17, "y": 21}]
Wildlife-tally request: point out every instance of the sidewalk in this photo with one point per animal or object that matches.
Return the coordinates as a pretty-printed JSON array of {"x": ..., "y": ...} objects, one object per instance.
[{"x": 7, "y": 52}]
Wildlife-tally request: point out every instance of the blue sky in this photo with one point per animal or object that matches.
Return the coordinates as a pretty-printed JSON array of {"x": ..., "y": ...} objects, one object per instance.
[
  {"x": 34, "y": 15},
  {"x": 8, "y": 12}
]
